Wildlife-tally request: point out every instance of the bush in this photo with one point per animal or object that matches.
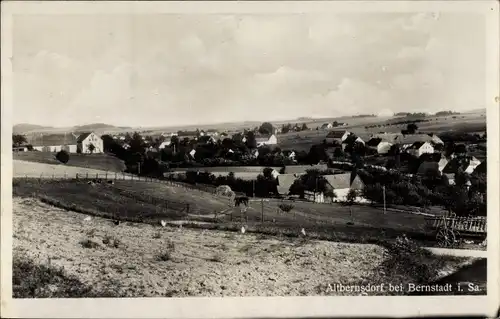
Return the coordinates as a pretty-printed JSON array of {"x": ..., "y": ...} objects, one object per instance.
[
  {"x": 87, "y": 243},
  {"x": 62, "y": 156},
  {"x": 285, "y": 207}
]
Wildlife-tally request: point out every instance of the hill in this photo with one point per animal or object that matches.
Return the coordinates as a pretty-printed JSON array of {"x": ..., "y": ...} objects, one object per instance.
[
  {"x": 97, "y": 127},
  {"x": 25, "y": 127}
]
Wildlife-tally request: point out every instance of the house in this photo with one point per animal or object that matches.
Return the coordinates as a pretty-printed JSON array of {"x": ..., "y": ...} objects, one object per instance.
[
  {"x": 419, "y": 148},
  {"x": 90, "y": 142},
  {"x": 341, "y": 183},
  {"x": 428, "y": 166},
  {"x": 442, "y": 164},
  {"x": 315, "y": 197},
  {"x": 435, "y": 139},
  {"x": 164, "y": 144},
  {"x": 285, "y": 181},
  {"x": 254, "y": 153},
  {"x": 326, "y": 126},
  {"x": 467, "y": 164},
  {"x": 451, "y": 178},
  {"x": 206, "y": 139},
  {"x": 289, "y": 154},
  {"x": 379, "y": 145},
  {"x": 192, "y": 153},
  {"x": 54, "y": 143},
  {"x": 336, "y": 136},
  {"x": 266, "y": 140},
  {"x": 480, "y": 169}
]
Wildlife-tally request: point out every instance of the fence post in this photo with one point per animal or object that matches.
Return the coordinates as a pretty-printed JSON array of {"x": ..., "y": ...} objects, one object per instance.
[
  {"x": 115, "y": 176},
  {"x": 52, "y": 175},
  {"x": 96, "y": 175},
  {"x": 262, "y": 210},
  {"x": 76, "y": 176},
  {"x": 65, "y": 175},
  {"x": 187, "y": 207},
  {"x": 87, "y": 175},
  {"x": 106, "y": 175}
]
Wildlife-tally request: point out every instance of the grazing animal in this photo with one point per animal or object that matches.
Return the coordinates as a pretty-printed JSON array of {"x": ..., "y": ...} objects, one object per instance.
[
  {"x": 90, "y": 182},
  {"x": 116, "y": 222},
  {"x": 241, "y": 200},
  {"x": 303, "y": 232},
  {"x": 111, "y": 182},
  {"x": 99, "y": 181},
  {"x": 163, "y": 223},
  {"x": 87, "y": 219}
]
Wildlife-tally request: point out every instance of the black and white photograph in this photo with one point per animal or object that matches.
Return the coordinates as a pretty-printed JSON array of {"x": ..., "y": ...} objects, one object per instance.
[{"x": 259, "y": 149}]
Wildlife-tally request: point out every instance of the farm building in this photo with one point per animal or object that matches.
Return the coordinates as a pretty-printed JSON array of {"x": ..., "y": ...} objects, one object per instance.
[
  {"x": 266, "y": 140},
  {"x": 289, "y": 154},
  {"x": 164, "y": 144},
  {"x": 467, "y": 164},
  {"x": 54, "y": 143},
  {"x": 90, "y": 142},
  {"x": 206, "y": 139},
  {"x": 379, "y": 145},
  {"x": 419, "y": 148},
  {"x": 480, "y": 169},
  {"x": 20, "y": 149},
  {"x": 337, "y": 136},
  {"x": 315, "y": 197},
  {"x": 285, "y": 181},
  {"x": 341, "y": 183},
  {"x": 326, "y": 126}
]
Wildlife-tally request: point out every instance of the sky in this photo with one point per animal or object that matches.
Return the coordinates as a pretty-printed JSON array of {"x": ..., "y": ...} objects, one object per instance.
[{"x": 179, "y": 69}]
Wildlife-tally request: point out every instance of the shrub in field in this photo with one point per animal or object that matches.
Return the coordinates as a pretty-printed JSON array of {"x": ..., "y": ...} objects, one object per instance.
[
  {"x": 285, "y": 207},
  {"x": 30, "y": 280},
  {"x": 87, "y": 243},
  {"x": 62, "y": 156},
  {"x": 111, "y": 242},
  {"x": 168, "y": 250}
]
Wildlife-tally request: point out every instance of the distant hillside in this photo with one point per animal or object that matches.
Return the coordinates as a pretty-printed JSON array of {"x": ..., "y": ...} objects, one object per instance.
[
  {"x": 25, "y": 127},
  {"x": 96, "y": 127}
]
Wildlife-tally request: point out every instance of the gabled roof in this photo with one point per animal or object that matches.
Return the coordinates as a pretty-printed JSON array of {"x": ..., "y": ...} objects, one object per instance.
[
  {"x": 426, "y": 166},
  {"x": 342, "y": 181},
  {"x": 53, "y": 140},
  {"x": 412, "y": 138},
  {"x": 205, "y": 139},
  {"x": 83, "y": 136},
  {"x": 284, "y": 182},
  {"x": 480, "y": 169},
  {"x": 456, "y": 163},
  {"x": 336, "y": 134},
  {"x": 373, "y": 142},
  {"x": 325, "y": 125},
  {"x": 416, "y": 145},
  {"x": 262, "y": 138}
]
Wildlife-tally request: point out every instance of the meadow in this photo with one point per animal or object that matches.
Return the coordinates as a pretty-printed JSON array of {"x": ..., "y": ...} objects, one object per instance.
[{"x": 102, "y": 162}]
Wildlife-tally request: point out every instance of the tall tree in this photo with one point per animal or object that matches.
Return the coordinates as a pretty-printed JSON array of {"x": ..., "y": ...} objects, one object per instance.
[
  {"x": 18, "y": 139},
  {"x": 266, "y": 128}
]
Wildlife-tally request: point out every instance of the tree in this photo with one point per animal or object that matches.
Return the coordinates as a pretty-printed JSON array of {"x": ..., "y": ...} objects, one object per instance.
[
  {"x": 351, "y": 196},
  {"x": 304, "y": 127},
  {"x": 18, "y": 140},
  {"x": 251, "y": 142},
  {"x": 331, "y": 194},
  {"x": 285, "y": 207},
  {"x": 62, "y": 156},
  {"x": 411, "y": 128},
  {"x": 266, "y": 128},
  {"x": 91, "y": 148},
  {"x": 136, "y": 144}
]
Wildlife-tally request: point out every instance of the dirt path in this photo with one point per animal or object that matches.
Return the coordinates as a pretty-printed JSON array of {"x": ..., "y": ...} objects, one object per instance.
[{"x": 203, "y": 263}]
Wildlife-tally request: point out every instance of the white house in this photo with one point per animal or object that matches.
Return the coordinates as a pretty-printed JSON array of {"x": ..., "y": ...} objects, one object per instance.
[
  {"x": 316, "y": 197},
  {"x": 419, "y": 148},
  {"x": 341, "y": 184},
  {"x": 266, "y": 140},
  {"x": 90, "y": 143},
  {"x": 164, "y": 144},
  {"x": 192, "y": 153}
]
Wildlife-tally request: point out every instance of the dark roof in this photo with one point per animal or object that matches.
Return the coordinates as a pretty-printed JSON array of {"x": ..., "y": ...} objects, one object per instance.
[
  {"x": 389, "y": 137},
  {"x": 262, "y": 138},
  {"x": 456, "y": 163},
  {"x": 374, "y": 142},
  {"x": 346, "y": 180},
  {"x": 428, "y": 166},
  {"x": 53, "y": 140},
  {"x": 416, "y": 145},
  {"x": 335, "y": 134},
  {"x": 83, "y": 136},
  {"x": 412, "y": 138}
]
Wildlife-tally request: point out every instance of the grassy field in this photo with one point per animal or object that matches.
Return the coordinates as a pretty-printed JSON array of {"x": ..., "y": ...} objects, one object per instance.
[
  {"x": 56, "y": 253},
  {"x": 102, "y": 162},
  {"x": 466, "y": 122},
  {"x": 150, "y": 202},
  {"x": 34, "y": 169}
]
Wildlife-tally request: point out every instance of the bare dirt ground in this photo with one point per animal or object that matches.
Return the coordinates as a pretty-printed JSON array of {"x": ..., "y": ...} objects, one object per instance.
[{"x": 203, "y": 263}]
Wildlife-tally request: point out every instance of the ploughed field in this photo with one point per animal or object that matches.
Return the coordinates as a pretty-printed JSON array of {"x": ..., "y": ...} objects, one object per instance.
[
  {"x": 150, "y": 202},
  {"x": 60, "y": 253}
]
